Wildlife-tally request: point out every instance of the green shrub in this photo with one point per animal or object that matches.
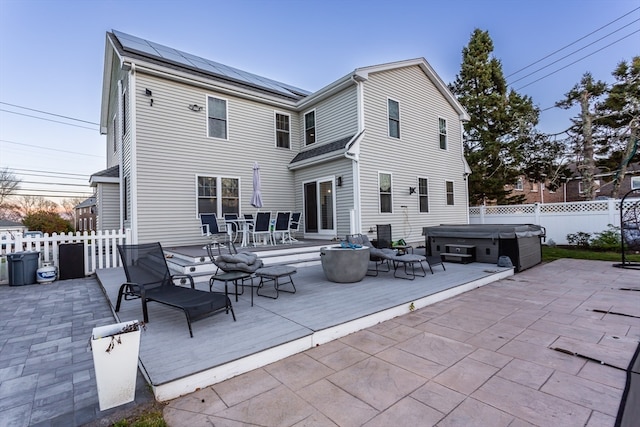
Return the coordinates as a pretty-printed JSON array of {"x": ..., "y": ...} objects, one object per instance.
[
  {"x": 580, "y": 239},
  {"x": 608, "y": 240}
]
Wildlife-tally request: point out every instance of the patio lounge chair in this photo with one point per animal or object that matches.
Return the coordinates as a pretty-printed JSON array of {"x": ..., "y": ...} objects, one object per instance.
[{"x": 149, "y": 279}]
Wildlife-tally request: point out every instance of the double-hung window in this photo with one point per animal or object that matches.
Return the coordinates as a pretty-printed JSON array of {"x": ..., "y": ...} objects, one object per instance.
[
  {"x": 283, "y": 131},
  {"x": 310, "y": 127},
  {"x": 384, "y": 180},
  {"x": 218, "y": 195},
  {"x": 423, "y": 194},
  {"x": 393, "y": 111},
  {"x": 217, "y": 117},
  {"x": 442, "y": 130},
  {"x": 449, "y": 191}
]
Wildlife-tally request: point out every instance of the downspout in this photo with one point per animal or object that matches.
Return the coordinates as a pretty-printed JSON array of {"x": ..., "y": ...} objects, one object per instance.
[
  {"x": 467, "y": 170},
  {"x": 121, "y": 188},
  {"x": 353, "y": 153},
  {"x": 134, "y": 157}
]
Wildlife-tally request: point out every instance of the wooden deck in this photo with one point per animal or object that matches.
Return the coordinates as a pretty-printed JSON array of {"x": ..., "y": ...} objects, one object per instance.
[{"x": 320, "y": 311}]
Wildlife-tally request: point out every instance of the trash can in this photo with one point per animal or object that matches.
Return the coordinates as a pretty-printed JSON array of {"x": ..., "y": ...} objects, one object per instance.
[
  {"x": 115, "y": 351},
  {"x": 22, "y": 268}
]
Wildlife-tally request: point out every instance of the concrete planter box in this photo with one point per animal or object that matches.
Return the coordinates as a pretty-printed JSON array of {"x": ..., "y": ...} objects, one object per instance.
[{"x": 345, "y": 265}]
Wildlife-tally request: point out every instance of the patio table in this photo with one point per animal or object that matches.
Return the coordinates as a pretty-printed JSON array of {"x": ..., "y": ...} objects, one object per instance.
[
  {"x": 243, "y": 225},
  {"x": 233, "y": 276}
]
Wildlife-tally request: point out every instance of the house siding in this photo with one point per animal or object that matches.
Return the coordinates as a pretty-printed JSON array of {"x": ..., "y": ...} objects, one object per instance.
[
  {"x": 344, "y": 194},
  {"x": 416, "y": 154},
  {"x": 336, "y": 117},
  {"x": 173, "y": 149},
  {"x": 108, "y": 215}
]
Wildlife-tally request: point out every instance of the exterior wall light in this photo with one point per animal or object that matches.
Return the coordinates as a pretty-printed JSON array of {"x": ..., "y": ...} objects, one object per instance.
[{"x": 195, "y": 107}]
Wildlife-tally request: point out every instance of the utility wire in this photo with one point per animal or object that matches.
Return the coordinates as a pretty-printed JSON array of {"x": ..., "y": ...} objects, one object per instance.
[
  {"x": 577, "y": 60},
  {"x": 571, "y": 44},
  {"x": 51, "y": 172},
  {"x": 47, "y": 148},
  {"x": 49, "y": 120},
  {"x": 572, "y": 53},
  {"x": 51, "y": 114}
]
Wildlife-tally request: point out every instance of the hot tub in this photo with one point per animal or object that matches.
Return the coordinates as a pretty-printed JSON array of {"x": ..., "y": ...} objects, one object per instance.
[{"x": 520, "y": 242}]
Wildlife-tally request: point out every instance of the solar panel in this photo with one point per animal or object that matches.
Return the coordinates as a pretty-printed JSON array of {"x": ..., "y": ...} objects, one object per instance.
[{"x": 148, "y": 48}]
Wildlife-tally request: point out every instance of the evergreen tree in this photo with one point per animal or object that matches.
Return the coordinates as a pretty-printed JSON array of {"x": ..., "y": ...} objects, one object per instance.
[
  {"x": 501, "y": 127},
  {"x": 619, "y": 117}
]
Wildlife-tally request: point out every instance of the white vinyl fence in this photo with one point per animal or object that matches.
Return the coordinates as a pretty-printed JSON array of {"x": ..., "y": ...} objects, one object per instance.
[
  {"x": 99, "y": 248},
  {"x": 559, "y": 219}
]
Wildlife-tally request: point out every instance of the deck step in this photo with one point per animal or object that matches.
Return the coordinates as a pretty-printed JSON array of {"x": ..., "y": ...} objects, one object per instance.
[{"x": 201, "y": 268}]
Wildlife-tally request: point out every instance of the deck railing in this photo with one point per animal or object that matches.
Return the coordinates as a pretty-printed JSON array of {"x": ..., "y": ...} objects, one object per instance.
[{"x": 99, "y": 248}]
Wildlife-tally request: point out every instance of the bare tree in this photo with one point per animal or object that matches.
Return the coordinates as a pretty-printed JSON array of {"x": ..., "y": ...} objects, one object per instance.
[
  {"x": 28, "y": 205},
  {"x": 68, "y": 206},
  {"x": 587, "y": 95},
  {"x": 9, "y": 184}
]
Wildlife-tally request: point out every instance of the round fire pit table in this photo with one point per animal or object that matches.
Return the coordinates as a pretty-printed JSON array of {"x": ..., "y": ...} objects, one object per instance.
[{"x": 345, "y": 265}]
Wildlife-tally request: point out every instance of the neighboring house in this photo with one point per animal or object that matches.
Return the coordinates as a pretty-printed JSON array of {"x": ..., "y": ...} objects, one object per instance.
[
  {"x": 10, "y": 229},
  {"x": 572, "y": 190},
  {"x": 107, "y": 199},
  {"x": 86, "y": 215},
  {"x": 381, "y": 145}
]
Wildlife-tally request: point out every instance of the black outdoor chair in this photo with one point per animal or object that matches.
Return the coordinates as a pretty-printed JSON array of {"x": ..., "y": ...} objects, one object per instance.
[
  {"x": 380, "y": 257},
  {"x": 262, "y": 227},
  {"x": 149, "y": 279},
  {"x": 294, "y": 226},
  {"x": 383, "y": 236},
  {"x": 281, "y": 227},
  {"x": 209, "y": 227},
  {"x": 231, "y": 223}
]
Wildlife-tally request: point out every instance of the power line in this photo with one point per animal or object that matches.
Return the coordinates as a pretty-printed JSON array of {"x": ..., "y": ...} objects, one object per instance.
[
  {"x": 571, "y": 44},
  {"x": 51, "y": 114},
  {"x": 47, "y": 148},
  {"x": 572, "y": 53},
  {"x": 576, "y": 61},
  {"x": 53, "y": 183},
  {"x": 51, "y": 172},
  {"x": 49, "y": 120}
]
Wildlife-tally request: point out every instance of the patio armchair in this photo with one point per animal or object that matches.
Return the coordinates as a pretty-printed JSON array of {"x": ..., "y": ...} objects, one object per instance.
[
  {"x": 384, "y": 236},
  {"x": 149, "y": 279},
  {"x": 281, "y": 227},
  {"x": 231, "y": 226},
  {"x": 380, "y": 257},
  {"x": 294, "y": 226},
  {"x": 262, "y": 227},
  {"x": 209, "y": 227}
]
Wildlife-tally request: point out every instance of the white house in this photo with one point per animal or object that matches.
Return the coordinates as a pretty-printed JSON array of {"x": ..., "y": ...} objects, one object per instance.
[{"x": 381, "y": 145}]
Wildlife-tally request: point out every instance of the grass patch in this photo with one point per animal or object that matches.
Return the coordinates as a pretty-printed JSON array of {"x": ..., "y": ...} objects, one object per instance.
[
  {"x": 152, "y": 418},
  {"x": 553, "y": 253}
]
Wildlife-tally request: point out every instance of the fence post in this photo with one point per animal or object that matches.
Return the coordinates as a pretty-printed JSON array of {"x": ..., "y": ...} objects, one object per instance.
[
  {"x": 482, "y": 211},
  {"x": 536, "y": 210},
  {"x": 611, "y": 210}
]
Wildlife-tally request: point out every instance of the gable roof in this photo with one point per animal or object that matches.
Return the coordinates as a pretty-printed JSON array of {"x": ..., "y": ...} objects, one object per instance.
[
  {"x": 137, "y": 46},
  {"x": 91, "y": 201},
  {"x": 363, "y": 73}
]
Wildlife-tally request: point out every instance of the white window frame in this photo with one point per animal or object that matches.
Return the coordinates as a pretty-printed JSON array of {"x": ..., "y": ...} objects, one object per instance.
[
  {"x": 445, "y": 134},
  {"x": 420, "y": 195},
  {"x": 635, "y": 182},
  {"x": 389, "y": 119},
  {"x": 519, "y": 185},
  {"x": 276, "y": 130},
  {"x": 315, "y": 126},
  {"x": 390, "y": 193},
  {"x": 226, "y": 119},
  {"x": 218, "y": 196},
  {"x": 596, "y": 182},
  {"x": 453, "y": 192}
]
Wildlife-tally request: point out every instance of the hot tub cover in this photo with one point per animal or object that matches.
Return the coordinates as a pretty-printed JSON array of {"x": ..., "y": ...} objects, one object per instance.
[{"x": 484, "y": 231}]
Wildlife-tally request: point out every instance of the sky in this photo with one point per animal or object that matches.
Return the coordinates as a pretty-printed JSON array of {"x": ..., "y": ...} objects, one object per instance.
[{"x": 52, "y": 57}]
